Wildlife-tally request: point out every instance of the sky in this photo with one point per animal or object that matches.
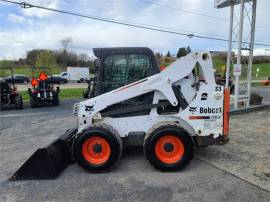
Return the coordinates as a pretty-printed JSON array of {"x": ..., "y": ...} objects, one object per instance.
[{"x": 22, "y": 30}]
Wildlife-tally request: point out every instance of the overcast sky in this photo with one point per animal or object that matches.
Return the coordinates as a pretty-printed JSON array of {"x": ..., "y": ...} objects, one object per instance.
[{"x": 22, "y": 30}]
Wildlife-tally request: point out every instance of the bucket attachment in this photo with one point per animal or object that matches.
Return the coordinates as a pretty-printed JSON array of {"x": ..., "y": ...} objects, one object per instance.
[{"x": 48, "y": 162}]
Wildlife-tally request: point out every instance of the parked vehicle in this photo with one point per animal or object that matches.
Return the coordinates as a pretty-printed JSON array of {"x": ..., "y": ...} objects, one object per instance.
[
  {"x": 17, "y": 78},
  {"x": 43, "y": 91},
  {"x": 167, "y": 114},
  {"x": 79, "y": 74},
  {"x": 56, "y": 79},
  {"x": 266, "y": 82},
  {"x": 9, "y": 94}
]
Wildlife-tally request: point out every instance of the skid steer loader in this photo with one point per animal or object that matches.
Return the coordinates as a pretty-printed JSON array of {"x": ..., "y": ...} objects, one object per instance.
[{"x": 180, "y": 111}]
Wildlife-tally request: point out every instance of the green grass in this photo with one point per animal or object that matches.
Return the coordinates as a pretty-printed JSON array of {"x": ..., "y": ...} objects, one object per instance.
[
  {"x": 264, "y": 70},
  {"x": 25, "y": 69},
  {"x": 64, "y": 94},
  {"x": 25, "y": 95},
  {"x": 71, "y": 93}
]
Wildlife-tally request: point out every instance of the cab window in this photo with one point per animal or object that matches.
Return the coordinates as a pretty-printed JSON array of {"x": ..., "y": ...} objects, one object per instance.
[{"x": 120, "y": 70}]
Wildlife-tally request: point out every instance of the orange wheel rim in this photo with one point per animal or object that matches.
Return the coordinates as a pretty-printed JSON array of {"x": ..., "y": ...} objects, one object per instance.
[
  {"x": 96, "y": 150},
  {"x": 169, "y": 149}
]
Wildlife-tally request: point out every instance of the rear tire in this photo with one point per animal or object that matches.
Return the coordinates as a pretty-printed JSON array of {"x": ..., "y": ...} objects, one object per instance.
[
  {"x": 55, "y": 99},
  {"x": 168, "y": 147},
  {"x": 18, "y": 102},
  {"x": 98, "y": 148},
  {"x": 33, "y": 102}
]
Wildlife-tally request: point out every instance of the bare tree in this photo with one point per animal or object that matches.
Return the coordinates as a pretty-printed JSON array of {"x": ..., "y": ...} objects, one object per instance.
[{"x": 66, "y": 42}]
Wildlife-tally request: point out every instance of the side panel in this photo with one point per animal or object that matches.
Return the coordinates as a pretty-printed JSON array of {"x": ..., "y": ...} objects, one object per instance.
[{"x": 205, "y": 112}]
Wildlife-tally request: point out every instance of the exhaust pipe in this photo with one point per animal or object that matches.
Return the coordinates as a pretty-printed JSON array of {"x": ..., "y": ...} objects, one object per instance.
[{"x": 48, "y": 162}]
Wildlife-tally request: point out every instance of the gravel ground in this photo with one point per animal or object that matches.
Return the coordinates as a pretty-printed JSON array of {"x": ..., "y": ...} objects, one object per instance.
[{"x": 238, "y": 171}]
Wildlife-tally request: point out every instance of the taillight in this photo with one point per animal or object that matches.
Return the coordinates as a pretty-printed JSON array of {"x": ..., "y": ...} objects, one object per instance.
[{"x": 226, "y": 112}]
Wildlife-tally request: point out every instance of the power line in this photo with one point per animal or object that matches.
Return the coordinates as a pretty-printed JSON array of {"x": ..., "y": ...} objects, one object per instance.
[
  {"x": 183, "y": 10},
  {"x": 193, "y": 12},
  {"x": 147, "y": 27}
]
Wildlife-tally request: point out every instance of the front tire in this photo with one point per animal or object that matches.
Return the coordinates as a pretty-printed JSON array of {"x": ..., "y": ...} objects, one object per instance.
[
  {"x": 97, "y": 149},
  {"x": 18, "y": 102},
  {"x": 85, "y": 93},
  {"x": 168, "y": 147}
]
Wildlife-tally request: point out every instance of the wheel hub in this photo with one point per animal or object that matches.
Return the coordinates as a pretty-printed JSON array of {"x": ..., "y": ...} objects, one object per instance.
[
  {"x": 97, "y": 148},
  {"x": 168, "y": 147}
]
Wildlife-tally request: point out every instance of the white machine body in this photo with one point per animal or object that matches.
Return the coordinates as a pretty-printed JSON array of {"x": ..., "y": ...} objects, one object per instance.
[{"x": 203, "y": 116}]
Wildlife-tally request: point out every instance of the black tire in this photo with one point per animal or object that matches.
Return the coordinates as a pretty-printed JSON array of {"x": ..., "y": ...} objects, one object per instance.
[
  {"x": 55, "y": 99},
  {"x": 85, "y": 93},
  {"x": 18, "y": 102},
  {"x": 102, "y": 131},
  {"x": 81, "y": 80},
  {"x": 33, "y": 102},
  {"x": 162, "y": 130},
  {"x": 1, "y": 104}
]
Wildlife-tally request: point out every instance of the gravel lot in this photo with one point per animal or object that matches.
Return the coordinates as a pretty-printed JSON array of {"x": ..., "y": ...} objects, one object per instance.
[{"x": 238, "y": 171}]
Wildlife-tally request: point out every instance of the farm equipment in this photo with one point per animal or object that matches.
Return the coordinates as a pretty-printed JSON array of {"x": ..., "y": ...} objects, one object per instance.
[
  {"x": 43, "y": 91},
  {"x": 116, "y": 67},
  {"x": 167, "y": 114},
  {"x": 9, "y": 94}
]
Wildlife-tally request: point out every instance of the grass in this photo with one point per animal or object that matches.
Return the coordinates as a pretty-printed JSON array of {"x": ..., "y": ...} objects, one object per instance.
[
  {"x": 71, "y": 93},
  {"x": 64, "y": 94},
  {"x": 220, "y": 66},
  {"x": 264, "y": 70},
  {"x": 25, "y": 69}
]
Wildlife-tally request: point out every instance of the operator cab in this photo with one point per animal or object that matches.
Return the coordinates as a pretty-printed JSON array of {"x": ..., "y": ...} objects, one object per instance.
[{"x": 118, "y": 67}]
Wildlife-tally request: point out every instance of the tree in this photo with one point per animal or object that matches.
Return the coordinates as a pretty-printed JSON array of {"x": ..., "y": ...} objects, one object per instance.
[
  {"x": 158, "y": 55},
  {"x": 168, "y": 54},
  {"x": 183, "y": 51},
  {"x": 31, "y": 56},
  {"x": 66, "y": 42},
  {"x": 45, "y": 59}
]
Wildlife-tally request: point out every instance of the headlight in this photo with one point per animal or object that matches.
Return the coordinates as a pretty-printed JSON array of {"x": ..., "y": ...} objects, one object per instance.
[
  {"x": 97, "y": 117},
  {"x": 76, "y": 109}
]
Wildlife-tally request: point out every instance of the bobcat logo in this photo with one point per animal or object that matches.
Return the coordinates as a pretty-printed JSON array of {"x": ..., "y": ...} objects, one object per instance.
[
  {"x": 89, "y": 108},
  {"x": 192, "y": 109},
  {"x": 204, "y": 96}
]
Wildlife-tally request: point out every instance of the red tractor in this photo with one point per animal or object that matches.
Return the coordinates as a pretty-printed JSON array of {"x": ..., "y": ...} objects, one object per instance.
[
  {"x": 9, "y": 94},
  {"x": 43, "y": 91}
]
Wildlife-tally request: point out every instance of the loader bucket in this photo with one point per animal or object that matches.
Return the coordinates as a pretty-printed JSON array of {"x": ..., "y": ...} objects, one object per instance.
[{"x": 48, "y": 162}]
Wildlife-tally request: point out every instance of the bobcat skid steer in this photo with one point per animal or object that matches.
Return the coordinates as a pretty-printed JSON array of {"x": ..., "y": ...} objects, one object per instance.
[{"x": 184, "y": 111}]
